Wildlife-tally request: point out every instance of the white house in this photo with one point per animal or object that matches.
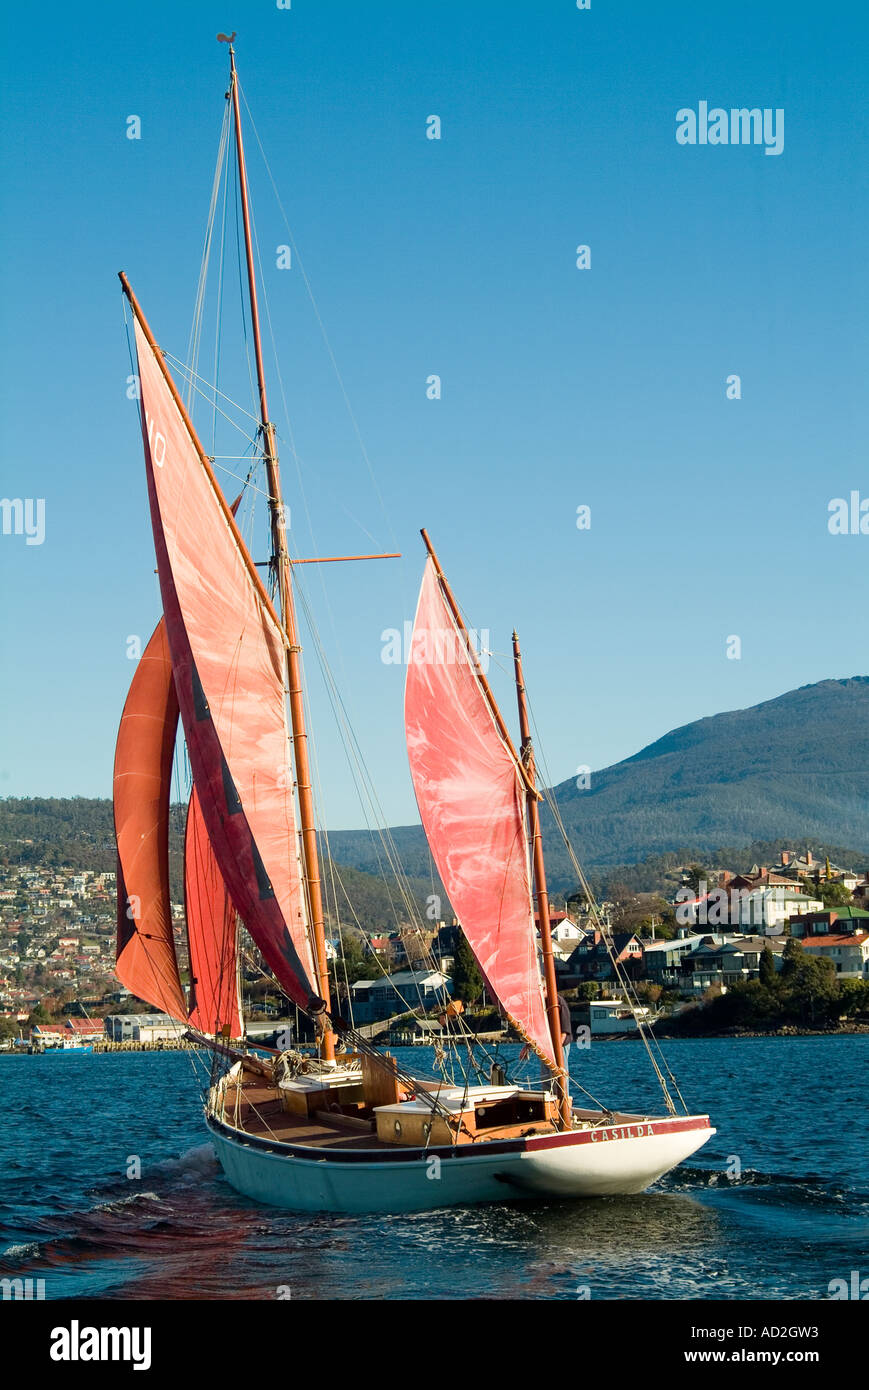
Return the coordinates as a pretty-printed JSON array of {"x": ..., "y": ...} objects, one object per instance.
[{"x": 849, "y": 954}]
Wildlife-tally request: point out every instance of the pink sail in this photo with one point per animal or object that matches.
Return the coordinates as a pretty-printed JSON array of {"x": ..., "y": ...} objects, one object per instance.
[
  {"x": 471, "y": 798},
  {"x": 211, "y": 933},
  {"x": 146, "y": 960},
  {"x": 227, "y": 652}
]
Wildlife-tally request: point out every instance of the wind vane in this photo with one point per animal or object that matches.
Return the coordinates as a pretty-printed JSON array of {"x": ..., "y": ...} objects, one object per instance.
[{"x": 226, "y": 38}]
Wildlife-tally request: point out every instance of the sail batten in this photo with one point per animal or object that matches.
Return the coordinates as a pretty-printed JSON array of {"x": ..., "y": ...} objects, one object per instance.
[
  {"x": 471, "y": 795},
  {"x": 227, "y": 651}
]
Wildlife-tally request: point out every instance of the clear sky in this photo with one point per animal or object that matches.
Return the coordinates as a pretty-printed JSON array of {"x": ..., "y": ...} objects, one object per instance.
[{"x": 561, "y": 387}]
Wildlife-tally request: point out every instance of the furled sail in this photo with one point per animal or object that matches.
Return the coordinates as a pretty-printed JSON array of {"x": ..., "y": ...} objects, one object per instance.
[
  {"x": 146, "y": 960},
  {"x": 471, "y": 798},
  {"x": 211, "y": 933},
  {"x": 227, "y": 650}
]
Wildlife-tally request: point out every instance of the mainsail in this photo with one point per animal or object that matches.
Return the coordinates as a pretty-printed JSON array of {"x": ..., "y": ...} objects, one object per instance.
[
  {"x": 146, "y": 960},
  {"x": 211, "y": 933},
  {"x": 471, "y": 797},
  {"x": 227, "y": 650}
]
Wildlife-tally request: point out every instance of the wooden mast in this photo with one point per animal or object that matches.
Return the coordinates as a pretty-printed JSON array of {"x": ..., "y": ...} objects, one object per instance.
[
  {"x": 553, "y": 1009},
  {"x": 281, "y": 562}
]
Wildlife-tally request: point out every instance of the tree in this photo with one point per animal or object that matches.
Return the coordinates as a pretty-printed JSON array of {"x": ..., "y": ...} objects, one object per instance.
[
  {"x": 695, "y": 874},
  {"x": 853, "y": 998},
  {"x": 808, "y": 983},
  {"x": 831, "y": 893},
  {"x": 467, "y": 980},
  {"x": 351, "y": 964},
  {"x": 767, "y": 972}
]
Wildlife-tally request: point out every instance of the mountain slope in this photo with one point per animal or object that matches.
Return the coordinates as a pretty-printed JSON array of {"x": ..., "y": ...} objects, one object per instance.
[{"x": 793, "y": 767}]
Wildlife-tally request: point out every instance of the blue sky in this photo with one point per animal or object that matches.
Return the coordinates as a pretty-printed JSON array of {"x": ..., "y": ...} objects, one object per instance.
[{"x": 560, "y": 386}]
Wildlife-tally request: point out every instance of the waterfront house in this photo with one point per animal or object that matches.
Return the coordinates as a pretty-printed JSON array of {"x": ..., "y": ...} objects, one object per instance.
[
  {"x": 849, "y": 953},
  {"x": 590, "y": 960},
  {"x": 662, "y": 960},
  {"x": 835, "y": 921},
  {"x": 49, "y": 1034},
  {"x": 726, "y": 962},
  {"x": 141, "y": 1027},
  {"x": 606, "y": 1016},
  {"x": 88, "y": 1029},
  {"x": 374, "y": 1000}
]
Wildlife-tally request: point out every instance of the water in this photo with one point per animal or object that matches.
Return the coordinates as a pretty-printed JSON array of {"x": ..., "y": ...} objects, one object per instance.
[{"x": 790, "y": 1110}]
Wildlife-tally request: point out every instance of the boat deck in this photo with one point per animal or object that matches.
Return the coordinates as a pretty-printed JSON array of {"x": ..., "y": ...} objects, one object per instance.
[
  {"x": 259, "y": 1113},
  {"x": 255, "y": 1108}
]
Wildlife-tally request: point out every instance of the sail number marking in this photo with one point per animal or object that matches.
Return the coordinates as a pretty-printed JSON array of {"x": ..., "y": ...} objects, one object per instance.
[{"x": 156, "y": 442}]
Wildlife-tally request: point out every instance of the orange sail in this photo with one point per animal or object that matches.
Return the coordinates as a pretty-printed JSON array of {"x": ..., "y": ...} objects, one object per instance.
[
  {"x": 471, "y": 798},
  {"x": 146, "y": 960},
  {"x": 211, "y": 933},
  {"x": 227, "y": 651}
]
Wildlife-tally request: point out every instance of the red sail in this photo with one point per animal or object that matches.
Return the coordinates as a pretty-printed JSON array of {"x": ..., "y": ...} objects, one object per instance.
[
  {"x": 471, "y": 798},
  {"x": 211, "y": 933},
  {"x": 228, "y": 660},
  {"x": 146, "y": 960}
]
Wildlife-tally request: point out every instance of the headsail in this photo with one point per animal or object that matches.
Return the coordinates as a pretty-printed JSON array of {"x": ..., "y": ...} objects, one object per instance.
[
  {"x": 146, "y": 959},
  {"x": 471, "y": 797},
  {"x": 211, "y": 933},
  {"x": 227, "y": 651}
]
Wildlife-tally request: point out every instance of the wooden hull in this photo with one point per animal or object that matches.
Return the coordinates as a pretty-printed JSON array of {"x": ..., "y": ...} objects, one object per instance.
[{"x": 618, "y": 1159}]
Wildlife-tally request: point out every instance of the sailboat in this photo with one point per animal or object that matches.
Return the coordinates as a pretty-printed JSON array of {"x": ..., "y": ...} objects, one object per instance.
[{"x": 350, "y": 1129}]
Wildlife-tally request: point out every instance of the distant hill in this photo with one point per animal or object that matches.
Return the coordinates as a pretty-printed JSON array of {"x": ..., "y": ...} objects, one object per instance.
[
  {"x": 793, "y": 769},
  {"x": 78, "y": 833}
]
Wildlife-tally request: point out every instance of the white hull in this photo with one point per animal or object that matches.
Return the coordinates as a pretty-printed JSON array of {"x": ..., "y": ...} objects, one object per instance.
[{"x": 619, "y": 1159}]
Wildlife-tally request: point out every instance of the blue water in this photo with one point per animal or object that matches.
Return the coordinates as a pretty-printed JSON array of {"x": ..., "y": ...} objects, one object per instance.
[{"x": 792, "y": 1111}]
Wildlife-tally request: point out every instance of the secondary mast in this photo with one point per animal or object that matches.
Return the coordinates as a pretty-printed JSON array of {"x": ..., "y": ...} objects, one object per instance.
[
  {"x": 281, "y": 562},
  {"x": 553, "y": 1009}
]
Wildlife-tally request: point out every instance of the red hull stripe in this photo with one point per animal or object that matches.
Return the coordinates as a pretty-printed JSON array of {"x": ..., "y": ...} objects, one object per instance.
[{"x": 489, "y": 1147}]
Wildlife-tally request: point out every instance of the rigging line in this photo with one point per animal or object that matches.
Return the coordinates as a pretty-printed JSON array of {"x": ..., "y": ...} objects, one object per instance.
[
  {"x": 631, "y": 997},
  {"x": 377, "y": 961},
  {"x": 234, "y": 423},
  {"x": 184, "y": 367},
  {"x": 245, "y": 482},
  {"x": 219, "y": 308},
  {"x": 646, "y": 1033},
  {"x": 326, "y": 341},
  {"x": 297, "y": 460},
  {"x": 196, "y": 327},
  {"x": 354, "y": 751},
  {"x": 245, "y": 308}
]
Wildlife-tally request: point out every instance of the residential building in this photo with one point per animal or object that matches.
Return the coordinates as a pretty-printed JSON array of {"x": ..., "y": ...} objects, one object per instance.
[
  {"x": 662, "y": 960},
  {"x": 603, "y": 1016},
  {"x": 141, "y": 1027},
  {"x": 849, "y": 953},
  {"x": 392, "y": 994},
  {"x": 835, "y": 921},
  {"x": 591, "y": 960},
  {"x": 726, "y": 961}
]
